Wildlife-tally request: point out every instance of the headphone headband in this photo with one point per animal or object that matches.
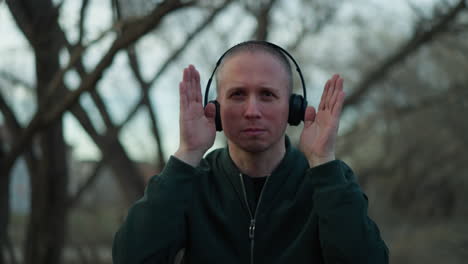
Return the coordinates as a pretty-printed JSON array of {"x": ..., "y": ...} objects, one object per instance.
[{"x": 266, "y": 43}]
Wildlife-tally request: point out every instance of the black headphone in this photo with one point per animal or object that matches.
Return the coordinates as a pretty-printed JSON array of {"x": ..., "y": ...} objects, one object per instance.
[{"x": 297, "y": 103}]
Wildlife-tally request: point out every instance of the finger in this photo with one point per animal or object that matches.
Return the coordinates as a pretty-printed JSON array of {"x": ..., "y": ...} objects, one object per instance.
[
  {"x": 330, "y": 92},
  {"x": 190, "y": 72},
  {"x": 309, "y": 116},
  {"x": 189, "y": 88},
  {"x": 324, "y": 94},
  {"x": 338, "y": 89},
  {"x": 197, "y": 74},
  {"x": 182, "y": 96},
  {"x": 192, "y": 84},
  {"x": 185, "y": 75},
  {"x": 210, "y": 112},
  {"x": 336, "y": 111},
  {"x": 197, "y": 83},
  {"x": 327, "y": 95},
  {"x": 196, "y": 91}
]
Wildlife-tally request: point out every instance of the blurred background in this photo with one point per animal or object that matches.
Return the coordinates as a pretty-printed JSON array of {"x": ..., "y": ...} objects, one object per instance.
[{"x": 89, "y": 110}]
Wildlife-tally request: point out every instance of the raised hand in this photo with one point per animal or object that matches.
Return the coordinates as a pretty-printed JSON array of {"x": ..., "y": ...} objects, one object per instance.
[
  {"x": 197, "y": 125},
  {"x": 318, "y": 137}
]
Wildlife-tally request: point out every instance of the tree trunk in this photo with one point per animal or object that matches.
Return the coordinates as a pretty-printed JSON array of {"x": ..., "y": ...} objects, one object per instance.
[
  {"x": 125, "y": 170},
  {"x": 46, "y": 227},
  {"x": 12, "y": 131}
]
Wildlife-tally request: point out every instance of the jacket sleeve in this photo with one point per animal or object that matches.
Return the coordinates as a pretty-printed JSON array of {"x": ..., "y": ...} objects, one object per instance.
[
  {"x": 155, "y": 227},
  {"x": 346, "y": 233}
]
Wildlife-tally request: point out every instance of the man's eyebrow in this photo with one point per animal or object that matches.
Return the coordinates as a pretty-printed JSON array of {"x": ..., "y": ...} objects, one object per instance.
[
  {"x": 269, "y": 87},
  {"x": 260, "y": 89},
  {"x": 237, "y": 87}
]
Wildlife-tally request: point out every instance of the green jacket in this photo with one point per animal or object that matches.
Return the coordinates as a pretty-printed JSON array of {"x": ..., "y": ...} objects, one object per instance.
[{"x": 304, "y": 215}]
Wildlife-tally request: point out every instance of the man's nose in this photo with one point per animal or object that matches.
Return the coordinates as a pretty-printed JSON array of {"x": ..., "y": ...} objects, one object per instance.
[{"x": 252, "y": 108}]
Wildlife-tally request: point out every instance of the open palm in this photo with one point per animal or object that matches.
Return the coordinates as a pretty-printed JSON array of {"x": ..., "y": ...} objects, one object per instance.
[
  {"x": 197, "y": 127},
  {"x": 318, "y": 137}
]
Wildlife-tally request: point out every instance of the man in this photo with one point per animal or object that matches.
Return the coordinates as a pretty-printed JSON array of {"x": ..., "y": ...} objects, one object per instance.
[{"x": 259, "y": 200}]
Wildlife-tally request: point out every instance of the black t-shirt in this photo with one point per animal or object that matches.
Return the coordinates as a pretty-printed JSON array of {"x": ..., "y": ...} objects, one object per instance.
[{"x": 256, "y": 183}]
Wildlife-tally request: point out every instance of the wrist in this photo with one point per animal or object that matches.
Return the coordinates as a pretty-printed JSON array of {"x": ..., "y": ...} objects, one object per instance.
[
  {"x": 317, "y": 160},
  {"x": 191, "y": 157}
]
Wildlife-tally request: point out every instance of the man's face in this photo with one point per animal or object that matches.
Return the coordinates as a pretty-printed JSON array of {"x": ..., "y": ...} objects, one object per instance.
[{"x": 254, "y": 97}]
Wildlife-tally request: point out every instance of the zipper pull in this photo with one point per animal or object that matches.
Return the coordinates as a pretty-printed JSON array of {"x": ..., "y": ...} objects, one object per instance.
[{"x": 252, "y": 229}]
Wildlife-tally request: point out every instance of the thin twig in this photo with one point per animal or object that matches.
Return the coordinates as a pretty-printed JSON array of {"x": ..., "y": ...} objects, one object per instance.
[
  {"x": 405, "y": 50},
  {"x": 43, "y": 118}
]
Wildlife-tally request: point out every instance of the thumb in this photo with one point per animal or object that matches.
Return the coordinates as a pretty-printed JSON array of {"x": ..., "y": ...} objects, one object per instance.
[
  {"x": 210, "y": 111},
  {"x": 309, "y": 116}
]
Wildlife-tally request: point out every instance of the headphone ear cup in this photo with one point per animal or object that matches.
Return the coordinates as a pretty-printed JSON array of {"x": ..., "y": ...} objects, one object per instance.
[
  {"x": 297, "y": 108},
  {"x": 219, "y": 126}
]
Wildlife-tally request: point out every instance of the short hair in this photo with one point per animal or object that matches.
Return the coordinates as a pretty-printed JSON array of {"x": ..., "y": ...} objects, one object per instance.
[{"x": 257, "y": 46}]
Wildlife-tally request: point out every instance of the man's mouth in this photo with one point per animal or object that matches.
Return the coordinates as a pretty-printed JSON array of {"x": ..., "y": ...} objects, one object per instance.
[{"x": 252, "y": 131}]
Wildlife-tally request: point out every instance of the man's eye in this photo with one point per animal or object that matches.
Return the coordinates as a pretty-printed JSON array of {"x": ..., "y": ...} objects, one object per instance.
[
  {"x": 268, "y": 94},
  {"x": 237, "y": 94}
]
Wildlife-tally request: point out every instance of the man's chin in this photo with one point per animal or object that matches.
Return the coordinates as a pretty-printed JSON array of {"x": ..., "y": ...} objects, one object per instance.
[
  {"x": 257, "y": 148},
  {"x": 253, "y": 146}
]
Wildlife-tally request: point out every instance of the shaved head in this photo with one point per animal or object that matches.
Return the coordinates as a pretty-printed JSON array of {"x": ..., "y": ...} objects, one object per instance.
[{"x": 256, "y": 47}]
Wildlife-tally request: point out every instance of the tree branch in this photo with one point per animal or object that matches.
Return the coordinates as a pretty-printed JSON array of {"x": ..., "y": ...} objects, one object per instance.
[
  {"x": 408, "y": 48},
  {"x": 84, "y": 8},
  {"x": 144, "y": 86},
  {"x": 329, "y": 15},
  {"x": 101, "y": 106},
  {"x": 15, "y": 129},
  {"x": 10, "y": 118},
  {"x": 174, "y": 57},
  {"x": 263, "y": 20},
  {"x": 90, "y": 180},
  {"x": 14, "y": 80},
  {"x": 127, "y": 174},
  {"x": 98, "y": 101},
  {"x": 43, "y": 118},
  {"x": 23, "y": 20}
]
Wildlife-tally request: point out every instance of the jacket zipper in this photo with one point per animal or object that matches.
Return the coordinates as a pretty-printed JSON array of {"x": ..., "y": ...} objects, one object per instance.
[{"x": 252, "y": 217}]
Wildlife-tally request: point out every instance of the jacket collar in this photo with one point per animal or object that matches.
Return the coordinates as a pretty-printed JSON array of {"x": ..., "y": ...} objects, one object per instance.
[{"x": 274, "y": 183}]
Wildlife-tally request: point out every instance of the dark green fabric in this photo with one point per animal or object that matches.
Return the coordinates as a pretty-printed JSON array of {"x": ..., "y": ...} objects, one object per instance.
[{"x": 305, "y": 215}]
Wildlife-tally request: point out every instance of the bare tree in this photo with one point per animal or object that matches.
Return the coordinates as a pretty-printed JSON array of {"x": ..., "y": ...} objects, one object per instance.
[
  {"x": 38, "y": 21},
  {"x": 423, "y": 34}
]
